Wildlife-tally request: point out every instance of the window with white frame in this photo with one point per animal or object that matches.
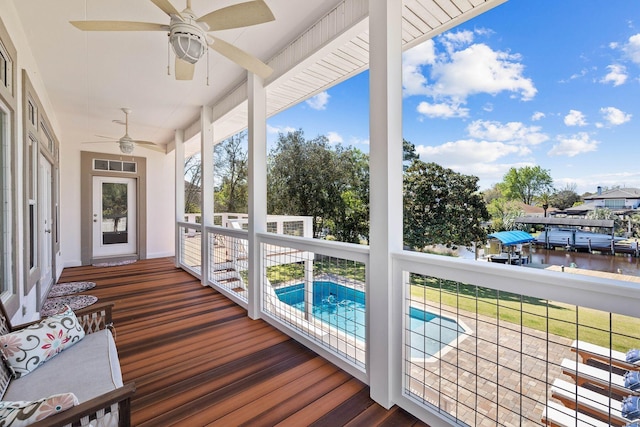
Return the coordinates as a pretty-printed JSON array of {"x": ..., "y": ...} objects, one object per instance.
[{"x": 6, "y": 198}]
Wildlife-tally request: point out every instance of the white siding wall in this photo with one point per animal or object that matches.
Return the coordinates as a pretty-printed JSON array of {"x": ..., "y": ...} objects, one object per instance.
[{"x": 160, "y": 176}]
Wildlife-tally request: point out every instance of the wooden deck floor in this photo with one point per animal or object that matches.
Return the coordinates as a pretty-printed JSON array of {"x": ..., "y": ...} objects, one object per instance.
[{"x": 197, "y": 359}]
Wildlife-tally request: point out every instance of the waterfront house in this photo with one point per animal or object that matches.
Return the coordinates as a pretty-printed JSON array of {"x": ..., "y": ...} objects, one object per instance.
[{"x": 61, "y": 87}]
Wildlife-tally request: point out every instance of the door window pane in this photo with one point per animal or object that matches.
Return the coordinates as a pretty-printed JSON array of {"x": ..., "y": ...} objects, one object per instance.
[{"x": 114, "y": 213}]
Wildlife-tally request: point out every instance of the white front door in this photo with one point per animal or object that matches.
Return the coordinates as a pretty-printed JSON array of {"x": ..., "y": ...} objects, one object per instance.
[
  {"x": 114, "y": 216},
  {"x": 46, "y": 223}
]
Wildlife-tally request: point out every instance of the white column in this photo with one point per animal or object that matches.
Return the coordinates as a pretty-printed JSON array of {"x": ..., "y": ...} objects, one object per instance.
[
  {"x": 385, "y": 164},
  {"x": 179, "y": 191},
  {"x": 257, "y": 186},
  {"x": 206, "y": 185}
]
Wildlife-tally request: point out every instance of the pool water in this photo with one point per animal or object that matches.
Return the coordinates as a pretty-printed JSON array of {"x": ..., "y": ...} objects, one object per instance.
[{"x": 344, "y": 308}]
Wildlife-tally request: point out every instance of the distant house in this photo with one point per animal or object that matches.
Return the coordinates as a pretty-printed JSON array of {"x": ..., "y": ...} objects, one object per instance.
[{"x": 622, "y": 201}]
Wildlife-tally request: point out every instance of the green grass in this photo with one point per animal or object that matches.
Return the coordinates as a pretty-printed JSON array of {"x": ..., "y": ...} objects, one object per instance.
[
  {"x": 559, "y": 319},
  {"x": 295, "y": 272}
]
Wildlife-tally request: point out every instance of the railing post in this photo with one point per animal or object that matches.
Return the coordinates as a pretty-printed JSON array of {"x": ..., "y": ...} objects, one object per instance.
[
  {"x": 207, "y": 194},
  {"x": 179, "y": 192},
  {"x": 384, "y": 331},
  {"x": 257, "y": 178}
]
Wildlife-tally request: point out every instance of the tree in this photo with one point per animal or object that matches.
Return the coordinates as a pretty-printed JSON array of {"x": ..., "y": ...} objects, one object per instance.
[
  {"x": 441, "y": 207},
  {"x": 231, "y": 168},
  {"x": 309, "y": 177},
  {"x": 566, "y": 197},
  {"x": 408, "y": 154},
  {"x": 503, "y": 214},
  {"x": 526, "y": 183},
  {"x": 193, "y": 176}
]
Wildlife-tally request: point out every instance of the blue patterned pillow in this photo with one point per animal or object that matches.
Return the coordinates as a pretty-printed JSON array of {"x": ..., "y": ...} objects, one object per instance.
[
  {"x": 19, "y": 414},
  {"x": 28, "y": 348}
]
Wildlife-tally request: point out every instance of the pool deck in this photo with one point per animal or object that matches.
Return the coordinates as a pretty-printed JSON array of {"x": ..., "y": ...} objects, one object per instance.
[{"x": 501, "y": 373}]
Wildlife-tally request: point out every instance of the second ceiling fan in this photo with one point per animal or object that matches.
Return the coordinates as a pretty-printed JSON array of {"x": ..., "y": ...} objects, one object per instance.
[{"x": 189, "y": 35}]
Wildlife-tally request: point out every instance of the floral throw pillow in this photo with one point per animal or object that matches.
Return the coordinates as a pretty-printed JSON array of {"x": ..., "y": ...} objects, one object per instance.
[
  {"x": 28, "y": 348},
  {"x": 22, "y": 413}
]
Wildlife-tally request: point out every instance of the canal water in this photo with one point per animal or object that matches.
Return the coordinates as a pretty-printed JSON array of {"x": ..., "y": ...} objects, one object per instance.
[{"x": 620, "y": 263}]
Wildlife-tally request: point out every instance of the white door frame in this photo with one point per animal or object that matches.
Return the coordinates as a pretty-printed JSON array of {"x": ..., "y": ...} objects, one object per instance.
[
  {"x": 45, "y": 226},
  {"x": 114, "y": 236}
]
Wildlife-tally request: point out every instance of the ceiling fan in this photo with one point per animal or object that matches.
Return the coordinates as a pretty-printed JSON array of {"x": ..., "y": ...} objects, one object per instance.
[
  {"x": 126, "y": 143},
  {"x": 189, "y": 37}
]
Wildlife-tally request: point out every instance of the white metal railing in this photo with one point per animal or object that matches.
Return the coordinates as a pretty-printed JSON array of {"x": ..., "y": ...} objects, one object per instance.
[
  {"x": 190, "y": 249},
  {"x": 502, "y": 347},
  {"x": 228, "y": 262},
  {"x": 502, "y": 343},
  {"x": 316, "y": 291}
]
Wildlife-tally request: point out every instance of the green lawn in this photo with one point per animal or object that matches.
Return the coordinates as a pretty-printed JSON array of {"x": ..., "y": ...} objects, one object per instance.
[{"x": 559, "y": 319}]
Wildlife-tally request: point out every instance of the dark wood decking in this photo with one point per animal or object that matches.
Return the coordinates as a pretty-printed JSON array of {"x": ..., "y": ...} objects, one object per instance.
[{"x": 197, "y": 359}]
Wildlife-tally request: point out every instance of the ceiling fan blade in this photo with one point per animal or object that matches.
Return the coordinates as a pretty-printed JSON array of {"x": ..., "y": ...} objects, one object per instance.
[
  {"x": 166, "y": 7},
  {"x": 110, "y": 138},
  {"x": 151, "y": 146},
  {"x": 184, "y": 70},
  {"x": 240, "y": 57},
  {"x": 238, "y": 15},
  {"x": 118, "y": 26}
]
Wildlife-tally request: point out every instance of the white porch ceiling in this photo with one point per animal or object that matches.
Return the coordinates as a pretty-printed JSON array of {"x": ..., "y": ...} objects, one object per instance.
[{"x": 312, "y": 45}]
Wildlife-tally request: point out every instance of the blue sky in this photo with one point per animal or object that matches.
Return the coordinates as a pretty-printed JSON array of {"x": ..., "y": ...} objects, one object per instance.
[{"x": 546, "y": 82}]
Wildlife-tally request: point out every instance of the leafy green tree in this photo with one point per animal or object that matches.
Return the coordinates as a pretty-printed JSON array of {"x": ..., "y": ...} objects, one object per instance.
[
  {"x": 193, "y": 176},
  {"x": 441, "y": 207},
  {"x": 503, "y": 214},
  {"x": 527, "y": 183},
  {"x": 566, "y": 197},
  {"x": 231, "y": 169},
  {"x": 492, "y": 194},
  {"x": 309, "y": 177},
  {"x": 408, "y": 154}
]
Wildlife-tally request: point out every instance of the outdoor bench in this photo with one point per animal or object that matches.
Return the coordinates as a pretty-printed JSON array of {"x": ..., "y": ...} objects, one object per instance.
[{"x": 89, "y": 369}]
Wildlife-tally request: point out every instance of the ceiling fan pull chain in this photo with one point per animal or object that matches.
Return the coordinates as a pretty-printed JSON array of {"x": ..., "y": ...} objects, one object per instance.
[
  {"x": 207, "y": 67},
  {"x": 168, "y": 57}
]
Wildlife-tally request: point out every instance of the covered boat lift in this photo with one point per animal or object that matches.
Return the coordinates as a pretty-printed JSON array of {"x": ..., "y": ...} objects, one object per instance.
[
  {"x": 512, "y": 241},
  {"x": 567, "y": 222}
]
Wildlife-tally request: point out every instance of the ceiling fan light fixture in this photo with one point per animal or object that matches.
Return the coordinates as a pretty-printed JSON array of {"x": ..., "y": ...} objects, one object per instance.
[
  {"x": 188, "y": 41},
  {"x": 126, "y": 146}
]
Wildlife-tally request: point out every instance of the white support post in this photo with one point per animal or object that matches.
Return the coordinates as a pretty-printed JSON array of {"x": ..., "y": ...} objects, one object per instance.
[
  {"x": 384, "y": 332},
  {"x": 179, "y": 191},
  {"x": 206, "y": 186},
  {"x": 257, "y": 187},
  {"x": 308, "y": 289}
]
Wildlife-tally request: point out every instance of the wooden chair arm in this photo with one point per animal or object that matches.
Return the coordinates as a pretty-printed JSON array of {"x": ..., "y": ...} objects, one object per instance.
[{"x": 121, "y": 395}]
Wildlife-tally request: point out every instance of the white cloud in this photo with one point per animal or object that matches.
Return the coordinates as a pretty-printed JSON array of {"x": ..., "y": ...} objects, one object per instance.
[
  {"x": 413, "y": 81},
  {"x": 575, "y": 118},
  {"x": 479, "y": 69},
  {"x": 442, "y": 110},
  {"x": 538, "y": 115},
  {"x": 513, "y": 133},
  {"x": 319, "y": 101},
  {"x": 280, "y": 129},
  {"x": 334, "y": 138},
  {"x": 467, "y": 151},
  {"x": 614, "y": 116},
  {"x": 632, "y": 48},
  {"x": 354, "y": 140},
  {"x": 617, "y": 75},
  {"x": 573, "y": 145},
  {"x": 452, "y": 40},
  {"x": 458, "y": 74}
]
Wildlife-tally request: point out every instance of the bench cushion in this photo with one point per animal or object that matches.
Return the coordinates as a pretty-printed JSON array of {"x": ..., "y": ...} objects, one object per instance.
[
  {"x": 22, "y": 414},
  {"x": 89, "y": 369},
  {"x": 26, "y": 349}
]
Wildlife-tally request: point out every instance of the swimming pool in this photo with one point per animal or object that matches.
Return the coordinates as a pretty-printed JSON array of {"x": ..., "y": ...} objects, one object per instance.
[{"x": 344, "y": 308}]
